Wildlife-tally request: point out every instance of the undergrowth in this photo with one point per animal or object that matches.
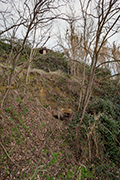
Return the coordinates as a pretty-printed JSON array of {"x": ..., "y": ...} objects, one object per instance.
[{"x": 36, "y": 145}]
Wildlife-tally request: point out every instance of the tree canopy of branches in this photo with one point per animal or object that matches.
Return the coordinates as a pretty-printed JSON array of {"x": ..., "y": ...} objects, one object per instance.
[
  {"x": 86, "y": 40},
  {"x": 105, "y": 19},
  {"x": 27, "y": 15}
]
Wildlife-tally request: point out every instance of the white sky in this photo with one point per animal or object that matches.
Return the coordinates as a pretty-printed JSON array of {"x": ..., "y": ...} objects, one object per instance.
[{"x": 58, "y": 25}]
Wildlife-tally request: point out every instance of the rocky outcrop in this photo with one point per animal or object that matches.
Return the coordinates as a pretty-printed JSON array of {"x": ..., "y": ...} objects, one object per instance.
[{"x": 62, "y": 114}]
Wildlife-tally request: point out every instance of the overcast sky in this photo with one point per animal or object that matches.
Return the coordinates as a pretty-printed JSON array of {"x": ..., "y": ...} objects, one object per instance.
[
  {"x": 61, "y": 26},
  {"x": 58, "y": 26}
]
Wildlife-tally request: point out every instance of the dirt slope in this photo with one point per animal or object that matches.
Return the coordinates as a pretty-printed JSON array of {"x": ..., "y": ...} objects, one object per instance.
[{"x": 34, "y": 127}]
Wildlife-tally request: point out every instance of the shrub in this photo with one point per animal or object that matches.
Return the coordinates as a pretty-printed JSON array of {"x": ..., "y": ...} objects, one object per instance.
[
  {"x": 109, "y": 130},
  {"x": 51, "y": 61}
]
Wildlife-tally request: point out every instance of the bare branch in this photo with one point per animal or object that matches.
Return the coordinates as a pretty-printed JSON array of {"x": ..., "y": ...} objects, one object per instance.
[{"x": 106, "y": 62}]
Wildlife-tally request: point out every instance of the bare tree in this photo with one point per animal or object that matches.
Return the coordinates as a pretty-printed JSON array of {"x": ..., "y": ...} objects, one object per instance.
[
  {"x": 42, "y": 38},
  {"x": 33, "y": 13},
  {"x": 105, "y": 19},
  {"x": 76, "y": 46},
  {"x": 88, "y": 43},
  {"x": 71, "y": 41}
]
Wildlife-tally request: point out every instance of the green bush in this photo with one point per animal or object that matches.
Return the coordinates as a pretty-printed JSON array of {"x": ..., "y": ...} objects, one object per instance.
[
  {"x": 108, "y": 171},
  {"x": 102, "y": 72},
  {"x": 109, "y": 130},
  {"x": 4, "y": 47},
  {"x": 101, "y": 105},
  {"x": 51, "y": 61}
]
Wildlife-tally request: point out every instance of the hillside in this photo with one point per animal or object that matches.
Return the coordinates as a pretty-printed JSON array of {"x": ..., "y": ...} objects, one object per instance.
[{"x": 39, "y": 125}]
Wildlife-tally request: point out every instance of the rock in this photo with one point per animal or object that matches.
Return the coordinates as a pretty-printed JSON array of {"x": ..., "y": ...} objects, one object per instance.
[{"x": 62, "y": 114}]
